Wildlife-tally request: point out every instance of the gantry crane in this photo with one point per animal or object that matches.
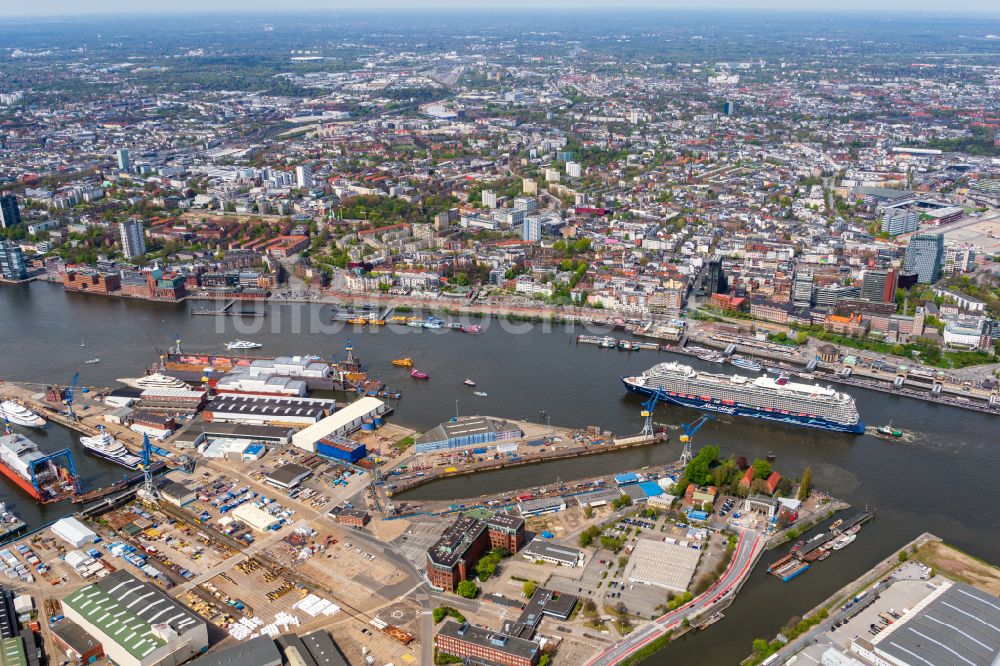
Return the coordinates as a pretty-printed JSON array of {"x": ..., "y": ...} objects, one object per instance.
[
  {"x": 689, "y": 430},
  {"x": 647, "y": 414},
  {"x": 70, "y": 395}
]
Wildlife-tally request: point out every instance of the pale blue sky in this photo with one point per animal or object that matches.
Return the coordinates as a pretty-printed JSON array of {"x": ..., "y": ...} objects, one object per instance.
[{"x": 57, "y": 7}]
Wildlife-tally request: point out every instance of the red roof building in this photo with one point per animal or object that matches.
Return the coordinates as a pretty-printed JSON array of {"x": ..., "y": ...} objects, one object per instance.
[{"x": 772, "y": 482}]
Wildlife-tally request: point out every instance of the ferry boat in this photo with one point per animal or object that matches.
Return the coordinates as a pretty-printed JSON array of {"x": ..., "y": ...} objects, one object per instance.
[
  {"x": 105, "y": 446},
  {"x": 357, "y": 320},
  {"x": 403, "y": 362},
  {"x": 888, "y": 432},
  {"x": 843, "y": 541},
  {"x": 746, "y": 363},
  {"x": 36, "y": 473},
  {"x": 18, "y": 414},
  {"x": 469, "y": 382},
  {"x": 417, "y": 374},
  {"x": 155, "y": 380},
  {"x": 764, "y": 398},
  {"x": 92, "y": 361},
  {"x": 243, "y": 344}
]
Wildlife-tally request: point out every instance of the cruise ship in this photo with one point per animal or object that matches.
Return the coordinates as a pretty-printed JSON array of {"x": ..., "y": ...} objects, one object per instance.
[
  {"x": 18, "y": 414},
  {"x": 38, "y": 474},
  {"x": 772, "y": 399},
  {"x": 105, "y": 446}
]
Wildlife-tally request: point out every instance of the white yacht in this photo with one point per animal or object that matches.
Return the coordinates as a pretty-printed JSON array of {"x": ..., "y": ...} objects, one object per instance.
[
  {"x": 109, "y": 448},
  {"x": 243, "y": 344},
  {"x": 18, "y": 414},
  {"x": 155, "y": 380}
]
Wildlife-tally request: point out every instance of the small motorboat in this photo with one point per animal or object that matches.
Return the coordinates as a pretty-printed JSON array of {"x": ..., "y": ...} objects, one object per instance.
[
  {"x": 92, "y": 361},
  {"x": 469, "y": 382},
  {"x": 481, "y": 394},
  {"x": 417, "y": 374}
]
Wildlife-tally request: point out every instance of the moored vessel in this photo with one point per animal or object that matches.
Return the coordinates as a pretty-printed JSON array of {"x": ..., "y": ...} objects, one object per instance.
[
  {"x": 746, "y": 363},
  {"x": 154, "y": 380},
  {"x": 39, "y": 474},
  {"x": 762, "y": 397},
  {"x": 105, "y": 446},
  {"x": 18, "y": 414}
]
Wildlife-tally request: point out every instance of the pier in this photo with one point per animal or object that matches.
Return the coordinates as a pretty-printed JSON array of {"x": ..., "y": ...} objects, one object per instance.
[{"x": 228, "y": 311}]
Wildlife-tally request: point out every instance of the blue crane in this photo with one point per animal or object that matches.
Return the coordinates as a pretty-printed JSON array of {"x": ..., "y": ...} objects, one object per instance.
[
  {"x": 148, "y": 489},
  {"x": 70, "y": 395},
  {"x": 647, "y": 414},
  {"x": 689, "y": 430}
]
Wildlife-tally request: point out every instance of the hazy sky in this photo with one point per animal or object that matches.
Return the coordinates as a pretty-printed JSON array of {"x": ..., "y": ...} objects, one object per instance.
[{"x": 56, "y": 7}]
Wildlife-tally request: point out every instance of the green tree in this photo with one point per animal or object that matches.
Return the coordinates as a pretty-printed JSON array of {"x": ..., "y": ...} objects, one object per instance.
[
  {"x": 806, "y": 485},
  {"x": 467, "y": 589},
  {"x": 761, "y": 469},
  {"x": 529, "y": 587}
]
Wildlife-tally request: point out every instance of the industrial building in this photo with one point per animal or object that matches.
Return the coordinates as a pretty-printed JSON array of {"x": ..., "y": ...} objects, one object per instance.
[
  {"x": 553, "y": 553},
  {"x": 342, "y": 422},
  {"x": 667, "y": 565},
  {"x": 313, "y": 649},
  {"x": 196, "y": 433},
  {"x": 477, "y": 644},
  {"x": 74, "y": 532},
  {"x": 341, "y": 449},
  {"x": 954, "y": 624},
  {"x": 288, "y": 476},
  {"x": 75, "y": 642},
  {"x": 465, "y": 432},
  {"x": 268, "y": 410},
  {"x": 541, "y": 505},
  {"x": 254, "y": 517},
  {"x": 137, "y": 624},
  {"x": 259, "y": 651}
]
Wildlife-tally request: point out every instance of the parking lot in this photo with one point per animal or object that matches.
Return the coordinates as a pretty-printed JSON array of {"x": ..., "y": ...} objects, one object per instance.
[{"x": 902, "y": 594}]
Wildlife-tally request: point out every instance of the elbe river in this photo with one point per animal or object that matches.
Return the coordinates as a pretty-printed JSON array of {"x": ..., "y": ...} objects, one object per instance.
[{"x": 943, "y": 480}]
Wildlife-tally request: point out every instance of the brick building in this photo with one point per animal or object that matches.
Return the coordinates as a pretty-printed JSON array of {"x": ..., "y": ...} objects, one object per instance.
[
  {"x": 90, "y": 281},
  {"x": 478, "y": 644},
  {"x": 453, "y": 557}
]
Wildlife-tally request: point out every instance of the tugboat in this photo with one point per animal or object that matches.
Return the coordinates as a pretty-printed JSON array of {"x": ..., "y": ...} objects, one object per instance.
[
  {"x": 403, "y": 362},
  {"x": 888, "y": 432},
  {"x": 417, "y": 374}
]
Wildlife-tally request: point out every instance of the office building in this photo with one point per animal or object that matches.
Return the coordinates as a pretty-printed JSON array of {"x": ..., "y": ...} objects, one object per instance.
[
  {"x": 479, "y": 645},
  {"x": 802, "y": 287},
  {"x": 531, "y": 231},
  {"x": 453, "y": 557},
  {"x": 896, "y": 221},
  {"x": 10, "y": 213},
  {"x": 924, "y": 256},
  {"x": 304, "y": 176},
  {"x": 136, "y": 623},
  {"x": 489, "y": 198},
  {"x": 879, "y": 286},
  {"x": 12, "y": 265},
  {"x": 574, "y": 169},
  {"x": 729, "y": 108},
  {"x": 133, "y": 238},
  {"x": 124, "y": 161},
  {"x": 714, "y": 281}
]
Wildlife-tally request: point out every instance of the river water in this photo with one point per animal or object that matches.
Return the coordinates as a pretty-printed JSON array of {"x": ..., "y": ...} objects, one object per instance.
[{"x": 942, "y": 481}]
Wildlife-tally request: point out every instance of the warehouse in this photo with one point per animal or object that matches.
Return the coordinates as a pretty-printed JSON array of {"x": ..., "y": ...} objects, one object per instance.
[
  {"x": 73, "y": 531},
  {"x": 662, "y": 564},
  {"x": 268, "y": 410},
  {"x": 136, "y": 623},
  {"x": 288, "y": 476},
  {"x": 467, "y": 432},
  {"x": 196, "y": 433},
  {"x": 177, "y": 493},
  {"x": 954, "y": 624},
  {"x": 541, "y": 505},
  {"x": 259, "y": 651},
  {"x": 342, "y": 422},
  {"x": 341, "y": 449},
  {"x": 76, "y": 642},
  {"x": 254, "y": 517},
  {"x": 313, "y": 649},
  {"x": 553, "y": 553}
]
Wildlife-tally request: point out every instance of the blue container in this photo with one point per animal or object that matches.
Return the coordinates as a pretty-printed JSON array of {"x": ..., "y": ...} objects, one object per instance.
[
  {"x": 378, "y": 420},
  {"x": 546, "y": 535},
  {"x": 368, "y": 426}
]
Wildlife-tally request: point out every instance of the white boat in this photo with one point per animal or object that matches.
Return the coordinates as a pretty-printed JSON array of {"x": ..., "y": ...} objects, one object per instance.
[
  {"x": 746, "y": 363},
  {"x": 18, "y": 414},
  {"x": 843, "y": 541},
  {"x": 243, "y": 344},
  {"x": 481, "y": 394},
  {"x": 92, "y": 361},
  {"x": 712, "y": 357},
  {"x": 469, "y": 382},
  {"x": 105, "y": 446},
  {"x": 155, "y": 380}
]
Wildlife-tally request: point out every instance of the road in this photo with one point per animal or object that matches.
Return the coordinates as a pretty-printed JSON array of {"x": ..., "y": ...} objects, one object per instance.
[{"x": 748, "y": 549}]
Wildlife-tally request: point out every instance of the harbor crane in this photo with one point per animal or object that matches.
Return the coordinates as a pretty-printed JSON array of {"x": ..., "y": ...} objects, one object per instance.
[
  {"x": 149, "y": 491},
  {"x": 70, "y": 395},
  {"x": 647, "y": 414},
  {"x": 689, "y": 430}
]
